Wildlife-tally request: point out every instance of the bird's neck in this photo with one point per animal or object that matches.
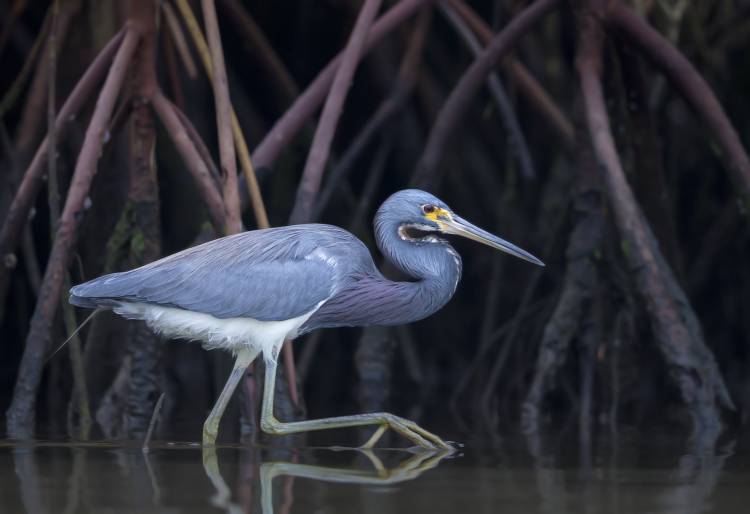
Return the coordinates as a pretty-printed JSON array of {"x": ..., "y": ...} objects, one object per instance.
[
  {"x": 416, "y": 300},
  {"x": 376, "y": 300},
  {"x": 435, "y": 268},
  {"x": 372, "y": 299}
]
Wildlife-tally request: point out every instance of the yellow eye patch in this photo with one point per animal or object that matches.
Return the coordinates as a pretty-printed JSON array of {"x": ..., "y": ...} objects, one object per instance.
[{"x": 438, "y": 213}]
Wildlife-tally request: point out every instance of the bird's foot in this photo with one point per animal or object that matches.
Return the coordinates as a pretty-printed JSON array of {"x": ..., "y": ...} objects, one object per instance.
[{"x": 411, "y": 431}]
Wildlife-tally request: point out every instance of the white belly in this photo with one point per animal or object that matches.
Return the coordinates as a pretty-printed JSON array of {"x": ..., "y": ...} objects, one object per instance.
[{"x": 228, "y": 334}]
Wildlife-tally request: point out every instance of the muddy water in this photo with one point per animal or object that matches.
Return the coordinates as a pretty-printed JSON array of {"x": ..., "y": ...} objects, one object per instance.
[{"x": 652, "y": 473}]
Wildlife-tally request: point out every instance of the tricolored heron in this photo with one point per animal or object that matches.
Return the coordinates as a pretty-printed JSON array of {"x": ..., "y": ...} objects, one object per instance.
[{"x": 249, "y": 292}]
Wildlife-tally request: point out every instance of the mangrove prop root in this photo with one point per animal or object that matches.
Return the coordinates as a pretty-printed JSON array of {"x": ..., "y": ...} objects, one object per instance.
[
  {"x": 20, "y": 415},
  {"x": 675, "y": 325}
]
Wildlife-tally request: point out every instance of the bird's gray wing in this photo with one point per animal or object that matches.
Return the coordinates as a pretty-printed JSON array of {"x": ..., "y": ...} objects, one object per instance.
[{"x": 268, "y": 275}]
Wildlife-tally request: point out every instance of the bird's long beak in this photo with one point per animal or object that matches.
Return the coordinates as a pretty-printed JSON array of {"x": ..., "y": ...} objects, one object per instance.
[{"x": 458, "y": 226}]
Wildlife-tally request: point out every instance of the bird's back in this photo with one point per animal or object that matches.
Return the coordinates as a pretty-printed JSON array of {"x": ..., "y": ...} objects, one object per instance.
[{"x": 269, "y": 275}]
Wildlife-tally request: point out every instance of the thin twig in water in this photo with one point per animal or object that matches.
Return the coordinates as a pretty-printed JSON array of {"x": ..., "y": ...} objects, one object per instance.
[{"x": 152, "y": 423}]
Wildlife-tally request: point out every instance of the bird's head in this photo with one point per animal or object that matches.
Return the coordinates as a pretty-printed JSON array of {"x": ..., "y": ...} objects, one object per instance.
[{"x": 421, "y": 217}]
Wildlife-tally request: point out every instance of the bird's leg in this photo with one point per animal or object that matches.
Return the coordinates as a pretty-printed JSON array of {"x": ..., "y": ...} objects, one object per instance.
[
  {"x": 375, "y": 437},
  {"x": 384, "y": 420},
  {"x": 211, "y": 427}
]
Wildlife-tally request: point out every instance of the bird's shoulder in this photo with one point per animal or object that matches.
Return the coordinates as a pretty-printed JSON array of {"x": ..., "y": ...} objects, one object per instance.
[
  {"x": 280, "y": 244},
  {"x": 332, "y": 244}
]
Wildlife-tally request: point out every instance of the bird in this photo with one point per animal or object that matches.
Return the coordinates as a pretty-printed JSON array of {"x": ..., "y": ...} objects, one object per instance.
[{"x": 249, "y": 292}]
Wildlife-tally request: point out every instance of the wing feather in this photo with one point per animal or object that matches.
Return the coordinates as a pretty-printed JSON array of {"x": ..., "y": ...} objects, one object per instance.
[{"x": 269, "y": 275}]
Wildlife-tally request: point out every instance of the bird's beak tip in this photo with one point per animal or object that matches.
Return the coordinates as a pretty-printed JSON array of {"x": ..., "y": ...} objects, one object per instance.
[{"x": 532, "y": 259}]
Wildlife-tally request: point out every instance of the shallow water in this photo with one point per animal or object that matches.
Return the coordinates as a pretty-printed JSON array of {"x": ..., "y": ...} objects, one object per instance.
[{"x": 648, "y": 474}]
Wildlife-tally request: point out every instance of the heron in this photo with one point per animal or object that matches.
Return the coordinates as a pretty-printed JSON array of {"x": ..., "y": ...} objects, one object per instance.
[{"x": 251, "y": 291}]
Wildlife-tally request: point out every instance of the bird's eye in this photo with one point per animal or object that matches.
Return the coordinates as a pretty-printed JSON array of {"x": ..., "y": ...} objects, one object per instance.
[{"x": 428, "y": 208}]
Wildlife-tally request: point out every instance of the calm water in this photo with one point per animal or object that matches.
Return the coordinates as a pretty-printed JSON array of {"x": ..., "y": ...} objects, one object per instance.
[{"x": 652, "y": 473}]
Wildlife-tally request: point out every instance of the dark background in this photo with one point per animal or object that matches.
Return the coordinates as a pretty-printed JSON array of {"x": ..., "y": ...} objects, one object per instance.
[{"x": 472, "y": 366}]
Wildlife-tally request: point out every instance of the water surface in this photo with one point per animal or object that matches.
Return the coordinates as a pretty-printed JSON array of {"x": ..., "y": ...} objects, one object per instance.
[{"x": 650, "y": 474}]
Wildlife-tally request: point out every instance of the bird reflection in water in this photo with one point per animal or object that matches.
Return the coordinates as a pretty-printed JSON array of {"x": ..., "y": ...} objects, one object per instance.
[
  {"x": 652, "y": 473},
  {"x": 408, "y": 469}
]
